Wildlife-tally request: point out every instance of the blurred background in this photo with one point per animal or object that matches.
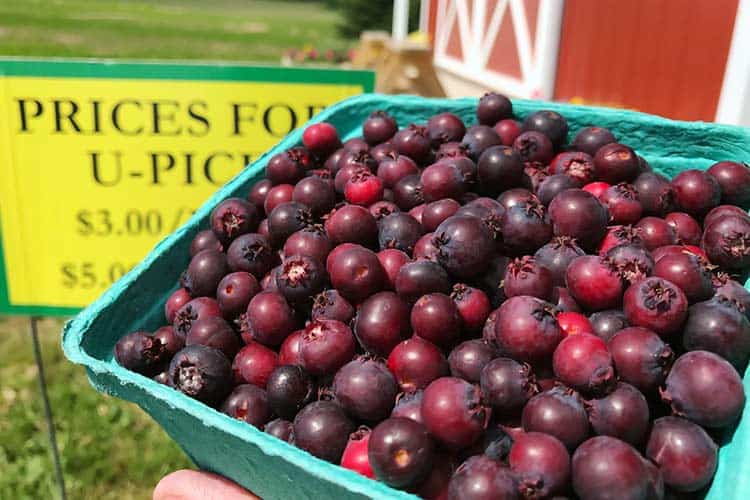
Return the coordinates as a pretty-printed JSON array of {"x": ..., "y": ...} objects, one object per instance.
[{"x": 684, "y": 59}]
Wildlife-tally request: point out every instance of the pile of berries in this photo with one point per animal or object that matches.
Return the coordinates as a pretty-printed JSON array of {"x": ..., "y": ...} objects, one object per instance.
[{"x": 473, "y": 312}]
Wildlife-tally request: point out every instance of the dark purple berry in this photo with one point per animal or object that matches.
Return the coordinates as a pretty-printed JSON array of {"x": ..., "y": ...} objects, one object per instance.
[
  {"x": 322, "y": 429},
  {"x": 249, "y": 404},
  {"x": 201, "y": 372}
]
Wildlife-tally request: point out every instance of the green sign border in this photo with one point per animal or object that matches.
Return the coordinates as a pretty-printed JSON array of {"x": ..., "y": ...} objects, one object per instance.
[{"x": 156, "y": 70}]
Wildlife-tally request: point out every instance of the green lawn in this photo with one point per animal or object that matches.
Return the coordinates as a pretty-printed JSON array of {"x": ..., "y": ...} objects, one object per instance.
[
  {"x": 110, "y": 448},
  {"x": 238, "y": 30}
]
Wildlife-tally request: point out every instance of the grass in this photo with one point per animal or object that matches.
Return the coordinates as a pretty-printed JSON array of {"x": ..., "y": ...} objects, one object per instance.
[
  {"x": 234, "y": 30},
  {"x": 111, "y": 449}
]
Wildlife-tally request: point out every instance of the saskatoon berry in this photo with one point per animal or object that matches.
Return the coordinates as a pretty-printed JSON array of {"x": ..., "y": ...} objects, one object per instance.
[
  {"x": 393, "y": 169},
  {"x": 400, "y": 231},
  {"x": 201, "y": 372},
  {"x": 141, "y": 353},
  {"x": 287, "y": 167},
  {"x": 507, "y": 385},
  {"x": 578, "y": 214},
  {"x": 534, "y": 146},
  {"x": 656, "y": 232},
  {"x": 179, "y": 298},
  {"x": 419, "y": 278},
  {"x": 382, "y": 322},
  {"x": 526, "y": 329},
  {"x": 321, "y": 138},
  {"x": 549, "y": 123},
  {"x": 594, "y": 283},
  {"x": 590, "y": 139},
  {"x": 205, "y": 240},
  {"x": 322, "y": 429},
  {"x": 525, "y": 276},
  {"x": 234, "y": 293},
  {"x": 326, "y": 346},
  {"x": 415, "y": 363},
  {"x": 657, "y": 304},
  {"x": 393, "y": 260},
  {"x": 434, "y": 317},
  {"x": 453, "y": 412},
  {"x": 276, "y": 196},
  {"x": 493, "y": 107},
  {"x": 258, "y": 193},
  {"x": 727, "y": 242},
  {"x": 379, "y": 127},
  {"x": 541, "y": 463},
  {"x": 232, "y": 218},
  {"x": 473, "y": 306},
  {"x": 480, "y": 478},
  {"x": 641, "y": 358},
  {"x": 479, "y": 138},
  {"x": 356, "y": 273},
  {"x": 734, "y": 180},
  {"x": 557, "y": 255},
  {"x": 508, "y": 130},
  {"x": 300, "y": 278},
  {"x": 353, "y": 389},
  {"x": 205, "y": 272},
  {"x": 525, "y": 227},
  {"x": 616, "y": 163},
  {"x": 655, "y": 193},
  {"x": 604, "y": 465},
  {"x": 696, "y": 192},
  {"x": 558, "y": 411},
  {"x": 280, "y": 429},
  {"x": 445, "y": 127},
  {"x": 355, "y": 454},
  {"x": 623, "y": 413},
  {"x": 413, "y": 142},
  {"x": 315, "y": 193},
  {"x": 704, "y": 388},
  {"x": 499, "y": 168},
  {"x": 468, "y": 358},
  {"x": 199, "y": 308},
  {"x": 329, "y": 304},
  {"x": 269, "y": 318},
  {"x": 251, "y": 253},
  {"x": 311, "y": 241},
  {"x": 249, "y": 404},
  {"x": 254, "y": 364},
  {"x": 685, "y": 454},
  {"x": 577, "y": 165},
  {"x": 401, "y": 452},
  {"x": 285, "y": 219},
  {"x": 214, "y": 331},
  {"x": 289, "y": 389},
  {"x": 437, "y": 211},
  {"x": 409, "y": 405},
  {"x": 352, "y": 224},
  {"x": 583, "y": 362}
]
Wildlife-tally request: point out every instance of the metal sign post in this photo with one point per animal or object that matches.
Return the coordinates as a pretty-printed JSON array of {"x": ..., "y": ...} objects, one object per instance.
[{"x": 47, "y": 408}]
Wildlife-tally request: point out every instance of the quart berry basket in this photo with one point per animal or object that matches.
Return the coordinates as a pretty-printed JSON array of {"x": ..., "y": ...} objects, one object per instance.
[{"x": 271, "y": 468}]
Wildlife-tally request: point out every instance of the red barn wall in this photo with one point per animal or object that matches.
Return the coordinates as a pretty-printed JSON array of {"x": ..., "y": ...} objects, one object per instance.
[{"x": 660, "y": 56}]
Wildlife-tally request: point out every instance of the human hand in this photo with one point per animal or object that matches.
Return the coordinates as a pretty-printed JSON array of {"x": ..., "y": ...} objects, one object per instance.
[{"x": 199, "y": 485}]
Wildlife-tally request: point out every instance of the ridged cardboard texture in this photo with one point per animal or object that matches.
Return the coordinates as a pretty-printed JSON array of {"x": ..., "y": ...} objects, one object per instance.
[{"x": 271, "y": 468}]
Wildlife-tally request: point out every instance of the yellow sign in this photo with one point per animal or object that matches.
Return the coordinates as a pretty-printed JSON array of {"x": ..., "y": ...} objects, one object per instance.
[{"x": 99, "y": 161}]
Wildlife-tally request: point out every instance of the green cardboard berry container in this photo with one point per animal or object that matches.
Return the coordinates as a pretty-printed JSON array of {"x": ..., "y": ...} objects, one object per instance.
[{"x": 271, "y": 468}]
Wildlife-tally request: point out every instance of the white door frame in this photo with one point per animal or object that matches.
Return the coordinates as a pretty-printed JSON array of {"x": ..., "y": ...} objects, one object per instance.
[
  {"x": 538, "y": 61},
  {"x": 734, "y": 100}
]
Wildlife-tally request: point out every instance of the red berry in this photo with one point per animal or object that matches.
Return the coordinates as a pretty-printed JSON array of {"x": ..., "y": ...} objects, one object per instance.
[
  {"x": 355, "y": 454},
  {"x": 321, "y": 138}
]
